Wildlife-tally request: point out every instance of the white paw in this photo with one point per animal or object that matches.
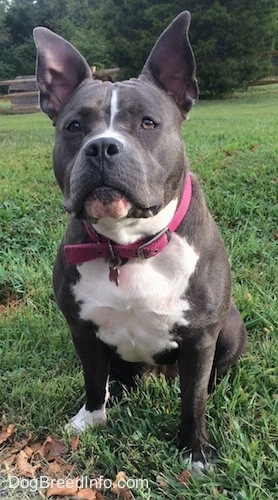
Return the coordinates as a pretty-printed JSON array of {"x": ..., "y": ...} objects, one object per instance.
[
  {"x": 85, "y": 419},
  {"x": 198, "y": 468}
]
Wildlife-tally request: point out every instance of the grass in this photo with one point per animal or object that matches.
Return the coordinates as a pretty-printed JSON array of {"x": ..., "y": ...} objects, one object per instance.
[
  {"x": 232, "y": 147},
  {"x": 5, "y": 106}
]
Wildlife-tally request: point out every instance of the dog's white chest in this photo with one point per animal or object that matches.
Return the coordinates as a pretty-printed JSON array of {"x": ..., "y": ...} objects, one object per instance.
[{"x": 137, "y": 316}]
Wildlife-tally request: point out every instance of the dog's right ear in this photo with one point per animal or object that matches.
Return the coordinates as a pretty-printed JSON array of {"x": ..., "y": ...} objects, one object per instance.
[{"x": 60, "y": 69}]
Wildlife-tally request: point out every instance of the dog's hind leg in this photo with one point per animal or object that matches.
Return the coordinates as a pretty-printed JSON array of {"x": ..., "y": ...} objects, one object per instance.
[{"x": 231, "y": 343}]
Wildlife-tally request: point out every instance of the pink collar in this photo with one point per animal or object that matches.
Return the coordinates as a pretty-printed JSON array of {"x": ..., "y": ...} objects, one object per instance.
[{"x": 115, "y": 254}]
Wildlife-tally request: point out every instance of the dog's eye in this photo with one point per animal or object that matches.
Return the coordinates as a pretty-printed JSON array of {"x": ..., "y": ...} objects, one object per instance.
[
  {"x": 148, "y": 124},
  {"x": 74, "y": 127}
]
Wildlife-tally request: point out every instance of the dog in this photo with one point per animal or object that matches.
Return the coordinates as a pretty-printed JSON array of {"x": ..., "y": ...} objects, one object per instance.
[{"x": 142, "y": 276}]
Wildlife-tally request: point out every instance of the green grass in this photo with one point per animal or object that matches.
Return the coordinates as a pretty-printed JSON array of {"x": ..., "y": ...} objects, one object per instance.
[
  {"x": 232, "y": 146},
  {"x": 5, "y": 106}
]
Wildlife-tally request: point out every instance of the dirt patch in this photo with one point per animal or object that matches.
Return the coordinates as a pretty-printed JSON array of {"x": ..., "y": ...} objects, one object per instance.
[{"x": 10, "y": 304}]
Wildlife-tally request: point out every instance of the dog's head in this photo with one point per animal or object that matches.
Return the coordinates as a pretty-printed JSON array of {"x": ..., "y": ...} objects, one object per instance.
[{"x": 118, "y": 151}]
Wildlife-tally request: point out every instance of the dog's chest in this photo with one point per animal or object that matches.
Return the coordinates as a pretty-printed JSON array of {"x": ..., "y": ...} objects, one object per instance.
[{"x": 138, "y": 317}]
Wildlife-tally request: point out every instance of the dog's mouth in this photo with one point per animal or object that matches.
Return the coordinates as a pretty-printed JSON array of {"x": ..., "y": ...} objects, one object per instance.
[{"x": 107, "y": 202}]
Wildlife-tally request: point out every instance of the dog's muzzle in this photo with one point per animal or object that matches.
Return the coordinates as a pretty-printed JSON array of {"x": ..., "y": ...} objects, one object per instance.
[{"x": 103, "y": 184}]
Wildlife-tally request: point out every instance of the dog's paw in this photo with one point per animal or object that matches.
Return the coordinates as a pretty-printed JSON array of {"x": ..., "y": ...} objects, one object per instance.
[
  {"x": 200, "y": 462},
  {"x": 85, "y": 419},
  {"x": 197, "y": 468}
]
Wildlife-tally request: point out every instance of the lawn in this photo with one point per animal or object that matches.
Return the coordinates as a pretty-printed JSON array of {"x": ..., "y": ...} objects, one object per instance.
[{"x": 232, "y": 146}]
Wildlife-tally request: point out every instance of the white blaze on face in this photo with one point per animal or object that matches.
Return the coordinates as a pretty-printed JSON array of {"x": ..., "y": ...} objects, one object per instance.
[{"x": 113, "y": 108}]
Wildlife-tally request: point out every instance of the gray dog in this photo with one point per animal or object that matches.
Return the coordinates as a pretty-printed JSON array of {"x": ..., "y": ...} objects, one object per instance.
[{"x": 142, "y": 275}]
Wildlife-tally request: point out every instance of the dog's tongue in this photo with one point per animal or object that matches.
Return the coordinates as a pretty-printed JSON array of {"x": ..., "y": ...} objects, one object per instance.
[{"x": 107, "y": 202}]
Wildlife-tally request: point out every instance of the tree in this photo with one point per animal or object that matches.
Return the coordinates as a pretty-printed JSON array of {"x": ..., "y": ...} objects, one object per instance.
[
  {"x": 5, "y": 64},
  {"x": 17, "y": 49},
  {"x": 87, "y": 34},
  {"x": 228, "y": 37},
  {"x": 131, "y": 28},
  {"x": 74, "y": 21}
]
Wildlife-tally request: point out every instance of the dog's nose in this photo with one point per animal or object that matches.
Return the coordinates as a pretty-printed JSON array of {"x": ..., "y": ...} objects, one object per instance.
[{"x": 103, "y": 147}]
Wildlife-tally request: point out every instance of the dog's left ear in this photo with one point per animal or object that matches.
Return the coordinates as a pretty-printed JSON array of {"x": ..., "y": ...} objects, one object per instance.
[
  {"x": 171, "y": 64},
  {"x": 60, "y": 69}
]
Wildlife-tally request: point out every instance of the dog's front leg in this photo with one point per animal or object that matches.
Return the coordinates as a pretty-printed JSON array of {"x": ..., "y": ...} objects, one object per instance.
[
  {"x": 95, "y": 359},
  {"x": 195, "y": 362}
]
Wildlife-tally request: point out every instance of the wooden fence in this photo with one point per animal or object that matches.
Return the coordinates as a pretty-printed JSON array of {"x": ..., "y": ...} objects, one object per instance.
[
  {"x": 21, "y": 97},
  {"x": 22, "y": 93}
]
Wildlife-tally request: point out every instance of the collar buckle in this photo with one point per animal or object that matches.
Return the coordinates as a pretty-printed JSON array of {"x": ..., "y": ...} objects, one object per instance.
[{"x": 148, "y": 244}]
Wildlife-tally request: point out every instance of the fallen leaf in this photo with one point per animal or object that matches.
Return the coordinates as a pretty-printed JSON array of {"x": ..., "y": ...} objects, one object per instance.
[
  {"x": 99, "y": 496},
  {"x": 6, "y": 433},
  {"x": 63, "y": 488},
  {"x": 51, "y": 448},
  {"x": 58, "y": 468},
  {"x": 126, "y": 494},
  {"x": 35, "y": 447},
  {"x": 121, "y": 476},
  {"x": 54, "y": 469},
  {"x": 161, "y": 481},
  {"x": 86, "y": 494},
  {"x": 184, "y": 477},
  {"x": 25, "y": 469},
  {"x": 9, "y": 462},
  {"x": 43, "y": 448},
  {"x": 119, "y": 487},
  {"x": 28, "y": 451},
  {"x": 74, "y": 443},
  {"x": 20, "y": 445}
]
